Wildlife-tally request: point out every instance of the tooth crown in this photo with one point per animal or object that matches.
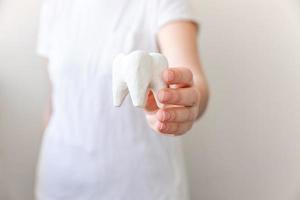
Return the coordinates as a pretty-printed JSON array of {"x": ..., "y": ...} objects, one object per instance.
[{"x": 136, "y": 73}]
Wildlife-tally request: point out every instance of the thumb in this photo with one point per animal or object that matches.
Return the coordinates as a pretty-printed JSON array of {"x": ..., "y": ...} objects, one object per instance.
[{"x": 151, "y": 105}]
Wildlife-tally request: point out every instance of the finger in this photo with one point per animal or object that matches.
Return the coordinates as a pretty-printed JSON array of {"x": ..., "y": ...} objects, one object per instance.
[
  {"x": 178, "y": 75},
  {"x": 152, "y": 120},
  {"x": 179, "y": 96},
  {"x": 177, "y": 114},
  {"x": 174, "y": 128}
]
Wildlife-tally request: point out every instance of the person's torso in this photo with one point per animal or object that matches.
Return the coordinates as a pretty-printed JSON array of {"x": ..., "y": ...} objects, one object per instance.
[
  {"x": 90, "y": 146},
  {"x": 86, "y": 36}
]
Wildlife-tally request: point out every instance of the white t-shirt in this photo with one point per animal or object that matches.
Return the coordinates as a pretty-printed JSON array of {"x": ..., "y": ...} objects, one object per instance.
[{"x": 92, "y": 150}]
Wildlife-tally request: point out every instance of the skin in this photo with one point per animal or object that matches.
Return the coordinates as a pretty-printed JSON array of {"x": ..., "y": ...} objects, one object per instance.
[{"x": 186, "y": 98}]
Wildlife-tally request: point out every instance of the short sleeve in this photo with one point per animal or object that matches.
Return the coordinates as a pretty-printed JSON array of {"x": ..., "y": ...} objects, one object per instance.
[
  {"x": 45, "y": 29},
  {"x": 174, "y": 10}
]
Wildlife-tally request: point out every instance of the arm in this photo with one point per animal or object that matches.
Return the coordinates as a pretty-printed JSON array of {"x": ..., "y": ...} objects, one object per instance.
[{"x": 187, "y": 97}]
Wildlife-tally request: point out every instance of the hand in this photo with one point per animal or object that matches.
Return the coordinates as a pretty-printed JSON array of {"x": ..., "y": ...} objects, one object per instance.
[{"x": 182, "y": 103}]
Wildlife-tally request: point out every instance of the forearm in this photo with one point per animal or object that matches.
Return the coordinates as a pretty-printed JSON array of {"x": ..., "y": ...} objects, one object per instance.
[{"x": 178, "y": 42}]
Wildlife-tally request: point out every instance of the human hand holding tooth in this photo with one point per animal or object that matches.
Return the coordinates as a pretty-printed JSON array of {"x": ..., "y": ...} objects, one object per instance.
[
  {"x": 181, "y": 100},
  {"x": 138, "y": 73},
  {"x": 145, "y": 76}
]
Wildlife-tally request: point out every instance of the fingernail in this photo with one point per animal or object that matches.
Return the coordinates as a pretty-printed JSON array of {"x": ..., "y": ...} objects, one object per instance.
[
  {"x": 166, "y": 116},
  {"x": 162, "y": 126},
  {"x": 171, "y": 75}
]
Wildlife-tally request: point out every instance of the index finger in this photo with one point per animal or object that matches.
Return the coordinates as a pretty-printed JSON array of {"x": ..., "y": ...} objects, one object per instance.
[{"x": 178, "y": 75}]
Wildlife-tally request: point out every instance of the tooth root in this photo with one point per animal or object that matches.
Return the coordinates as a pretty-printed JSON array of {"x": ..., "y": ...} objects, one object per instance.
[
  {"x": 138, "y": 83},
  {"x": 118, "y": 85},
  {"x": 120, "y": 91},
  {"x": 138, "y": 95}
]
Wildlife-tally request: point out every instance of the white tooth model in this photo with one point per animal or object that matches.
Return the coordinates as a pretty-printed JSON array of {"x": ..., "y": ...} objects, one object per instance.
[{"x": 138, "y": 72}]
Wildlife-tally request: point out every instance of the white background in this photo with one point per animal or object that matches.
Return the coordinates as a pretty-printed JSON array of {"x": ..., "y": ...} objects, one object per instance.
[{"x": 247, "y": 147}]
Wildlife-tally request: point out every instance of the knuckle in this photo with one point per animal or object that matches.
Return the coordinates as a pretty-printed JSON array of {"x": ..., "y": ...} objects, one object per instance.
[
  {"x": 160, "y": 115},
  {"x": 178, "y": 75},
  {"x": 178, "y": 97},
  {"x": 173, "y": 115},
  {"x": 167, "y": 128},
  {"x": 176, "y": 127},
  {"x": 186, "y": 114},
  {"x": 194, "y": 97}
]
